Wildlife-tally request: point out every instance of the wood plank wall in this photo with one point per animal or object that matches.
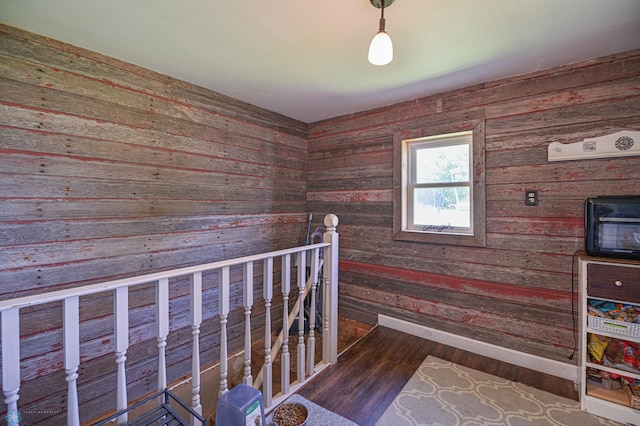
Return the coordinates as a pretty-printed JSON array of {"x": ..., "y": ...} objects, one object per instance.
[
  {"x": 110, "y": 170},
  {"x": 516, "y": 292}
]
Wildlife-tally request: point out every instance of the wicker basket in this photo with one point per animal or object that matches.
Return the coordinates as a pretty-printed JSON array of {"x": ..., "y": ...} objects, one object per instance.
[{"x": 612, "y": 326}]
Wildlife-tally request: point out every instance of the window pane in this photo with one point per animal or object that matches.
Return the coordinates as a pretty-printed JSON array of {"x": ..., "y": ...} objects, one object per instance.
[
  {"x": 443, "y": 164},
  {"x": 442, "y": 206}
]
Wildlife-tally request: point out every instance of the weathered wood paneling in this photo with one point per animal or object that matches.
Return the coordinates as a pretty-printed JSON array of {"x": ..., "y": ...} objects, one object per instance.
[
  {"x": 517, "y": 291},
  {"x": 109, "y": 170}
]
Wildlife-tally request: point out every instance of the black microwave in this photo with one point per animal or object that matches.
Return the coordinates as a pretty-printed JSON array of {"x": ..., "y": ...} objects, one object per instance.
[{"x": 612, "y": 226}]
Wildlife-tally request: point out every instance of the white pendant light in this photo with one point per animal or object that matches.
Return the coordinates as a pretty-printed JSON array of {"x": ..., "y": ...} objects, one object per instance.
[{"x": 381, "y": 48}]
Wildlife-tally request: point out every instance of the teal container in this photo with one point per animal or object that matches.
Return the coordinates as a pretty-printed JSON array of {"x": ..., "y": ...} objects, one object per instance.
[{"x": 241, "y": 406}]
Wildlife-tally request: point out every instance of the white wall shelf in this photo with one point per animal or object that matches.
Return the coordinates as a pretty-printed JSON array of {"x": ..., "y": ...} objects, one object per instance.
[{"x": 619, "y": 144}]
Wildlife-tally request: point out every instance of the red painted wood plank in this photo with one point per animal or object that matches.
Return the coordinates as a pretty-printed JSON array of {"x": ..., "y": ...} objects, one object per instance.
[{"x": 455, "y": 283}]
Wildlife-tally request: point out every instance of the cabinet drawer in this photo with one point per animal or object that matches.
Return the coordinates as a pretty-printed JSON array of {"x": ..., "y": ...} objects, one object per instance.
[{"x": 613, "y": 282}]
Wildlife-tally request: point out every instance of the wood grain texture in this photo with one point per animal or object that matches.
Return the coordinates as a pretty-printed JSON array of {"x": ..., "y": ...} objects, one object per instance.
[
  {"x": 517, "y": 291},
  {"x": 108, "y": 170}
]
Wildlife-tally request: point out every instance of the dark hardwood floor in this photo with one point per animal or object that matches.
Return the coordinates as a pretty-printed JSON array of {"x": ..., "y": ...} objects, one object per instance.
[{"x": 370, "y": 373}]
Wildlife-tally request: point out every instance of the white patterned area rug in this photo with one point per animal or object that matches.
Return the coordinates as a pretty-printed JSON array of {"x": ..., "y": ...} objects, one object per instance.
[{"x": 447, "y": 394}]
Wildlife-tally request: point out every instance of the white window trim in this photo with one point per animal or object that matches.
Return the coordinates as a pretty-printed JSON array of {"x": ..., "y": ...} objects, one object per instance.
[
  {"x": 409, "y": 184},
  {"x": 477, "y": 203}
]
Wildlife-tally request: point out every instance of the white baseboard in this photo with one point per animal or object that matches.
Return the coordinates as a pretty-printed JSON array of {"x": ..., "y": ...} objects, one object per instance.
[{"x": 533, "y": 362}]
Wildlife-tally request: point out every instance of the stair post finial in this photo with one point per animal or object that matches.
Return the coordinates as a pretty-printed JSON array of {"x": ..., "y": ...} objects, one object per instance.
[{"x": 331, "y": 222}]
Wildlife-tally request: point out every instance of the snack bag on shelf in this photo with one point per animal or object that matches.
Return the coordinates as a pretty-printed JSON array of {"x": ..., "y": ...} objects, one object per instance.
[
  {"x": 597, "y": 346},
  {"x": 614, "y": 351},
  {"x": 615, "y": 311},
  {"x": 630, "y": 355}
]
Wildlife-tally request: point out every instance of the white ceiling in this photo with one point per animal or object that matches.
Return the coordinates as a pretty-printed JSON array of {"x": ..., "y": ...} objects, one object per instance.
[{"x": 308, "y": 59}]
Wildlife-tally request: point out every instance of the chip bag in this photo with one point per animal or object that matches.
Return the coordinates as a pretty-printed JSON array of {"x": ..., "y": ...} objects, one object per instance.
[{"x": 597, "y": 345}]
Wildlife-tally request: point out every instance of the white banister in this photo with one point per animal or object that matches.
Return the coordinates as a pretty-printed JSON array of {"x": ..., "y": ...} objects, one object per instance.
[
  {"x": 11, "y": 363},
  {"x": 57, "y": 295},
  {"x": 330, "y": 291},
  {"x": 121, "y": 329},
  {"x": 196, "y": 321},
  {"x": 267, "y": 389},
  {"x": 162, "y": 329},
  {"x": 302, "y": 278},
  {"x": 223, "y": 307},
  {"x": 247, "y": 302},
  {"x": 310, "y": 260},
  {"x": 293, "y": 314},
  {"x": 71, "y": 354},
  {"x": 286, "y": 288}
]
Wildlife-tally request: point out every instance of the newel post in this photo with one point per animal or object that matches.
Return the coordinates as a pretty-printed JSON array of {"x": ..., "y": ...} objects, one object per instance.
[{"x": 330, "y": 290}]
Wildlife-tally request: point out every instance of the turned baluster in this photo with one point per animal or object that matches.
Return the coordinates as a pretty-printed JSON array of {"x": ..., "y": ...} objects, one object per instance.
[
  {"x": 247, "y": 302},
  {"x": 196, "y": 320},
  {"x": 11, "y": 363},
  {"x": 223, "y": 307},
  {"x": 311, "y": 341},
  {"x": 286, "y": 288},
  {"x": 302, "y": 275},
  {"x": 162, "y": 329},
  {"x": 71, "y": 353},
  {"x": 267, "y": 386},
  {"x": 121, "y": 327}
]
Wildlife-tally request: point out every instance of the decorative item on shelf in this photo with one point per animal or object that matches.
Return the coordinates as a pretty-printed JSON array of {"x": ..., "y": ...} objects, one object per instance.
[
  {"x": 381, "y": 47},
  {"x": 619, "y": 144}
]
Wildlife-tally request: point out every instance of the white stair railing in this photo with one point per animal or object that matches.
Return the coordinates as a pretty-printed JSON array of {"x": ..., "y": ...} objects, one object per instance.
[{"x": 306, "y": 366}]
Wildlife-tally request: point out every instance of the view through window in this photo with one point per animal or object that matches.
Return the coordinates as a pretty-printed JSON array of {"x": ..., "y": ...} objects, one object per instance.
[{"x": 438, "y": 187}]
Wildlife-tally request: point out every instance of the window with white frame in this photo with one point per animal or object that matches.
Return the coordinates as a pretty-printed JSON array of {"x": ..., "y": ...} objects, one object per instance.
[
  {"x": 439, "y": 187},
  {"x": 438, "y": 193}
]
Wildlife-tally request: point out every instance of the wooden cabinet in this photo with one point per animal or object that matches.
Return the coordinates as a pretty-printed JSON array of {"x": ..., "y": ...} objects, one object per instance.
[{"x": 609, "y": 342}]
